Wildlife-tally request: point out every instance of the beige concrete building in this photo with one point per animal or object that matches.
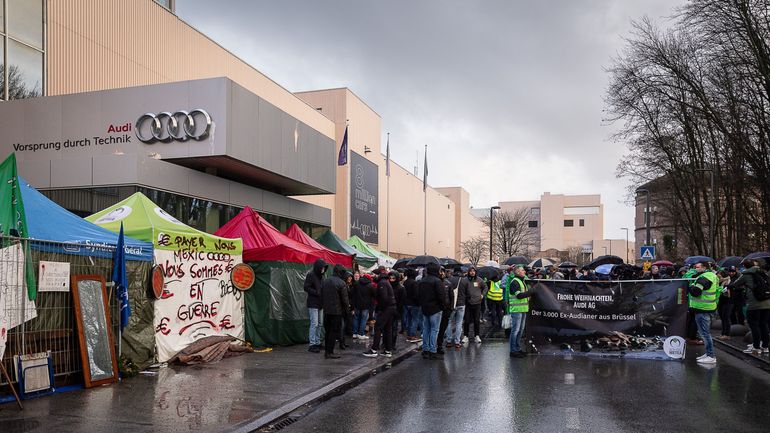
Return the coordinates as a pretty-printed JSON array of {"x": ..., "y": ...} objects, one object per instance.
[
  {"x": 562, "y": 223},
  {"x": 401, "y": 218}
]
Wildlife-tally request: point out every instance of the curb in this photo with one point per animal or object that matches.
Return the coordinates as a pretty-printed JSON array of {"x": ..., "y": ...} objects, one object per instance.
[
  {"x": 282, "y": 416},
  {"x": 756, "y": 361}
]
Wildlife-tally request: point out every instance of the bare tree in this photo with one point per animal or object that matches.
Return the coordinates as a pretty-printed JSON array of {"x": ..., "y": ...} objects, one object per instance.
[
  {"x": 511, "y": 232},
  {"x": 18, "y": 88},
  {"x": 473, "y": 249}
]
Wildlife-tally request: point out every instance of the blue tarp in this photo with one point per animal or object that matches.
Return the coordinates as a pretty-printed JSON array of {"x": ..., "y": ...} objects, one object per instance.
[{"x": 47, "y": 221}]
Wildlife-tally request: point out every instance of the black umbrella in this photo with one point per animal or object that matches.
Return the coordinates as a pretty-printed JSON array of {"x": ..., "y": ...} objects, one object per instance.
[
  {"x": 516, "y": 260},
  {"x": 764, "y": 256},
  {"x": 540, "y": 263},
  {"x": 605, "y": 260},
  {"x": 401, "y": 263},
  {"x": 448, "y": 262},
  {"x": 422, "y": 261},
  {"x": 567, "y": 265},
  {"x": 697, "y": 259},
  {"x": 489, "y": 272},
  {"x": 726, "y": 262}
]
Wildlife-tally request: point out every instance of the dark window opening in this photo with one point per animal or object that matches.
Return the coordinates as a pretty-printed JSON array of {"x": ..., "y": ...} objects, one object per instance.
[{"x": 569, "y": 223}]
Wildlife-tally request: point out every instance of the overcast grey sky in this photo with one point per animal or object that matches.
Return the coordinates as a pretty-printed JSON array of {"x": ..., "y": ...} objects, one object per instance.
[{"x": 508, "y": 95}]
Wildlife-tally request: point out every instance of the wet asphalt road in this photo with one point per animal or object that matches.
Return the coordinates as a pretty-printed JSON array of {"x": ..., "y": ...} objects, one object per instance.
[{"x": 480, "y": 389}]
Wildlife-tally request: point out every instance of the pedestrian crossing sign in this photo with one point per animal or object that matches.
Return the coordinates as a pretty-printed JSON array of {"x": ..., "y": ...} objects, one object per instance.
[{"x": 647, "y": 252}]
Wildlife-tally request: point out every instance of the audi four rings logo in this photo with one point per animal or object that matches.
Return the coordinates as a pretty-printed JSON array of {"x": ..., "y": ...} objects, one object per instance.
[{"x": 180, "y": 126}]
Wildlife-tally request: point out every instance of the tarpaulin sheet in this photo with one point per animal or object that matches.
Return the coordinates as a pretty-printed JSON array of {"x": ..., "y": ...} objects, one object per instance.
[{"x": 276, "y": 306}]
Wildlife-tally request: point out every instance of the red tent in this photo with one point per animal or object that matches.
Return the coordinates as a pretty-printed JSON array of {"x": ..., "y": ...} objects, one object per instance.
[
  {"x": 264, "y": 243},
  {"x": 330, "y": 256}
]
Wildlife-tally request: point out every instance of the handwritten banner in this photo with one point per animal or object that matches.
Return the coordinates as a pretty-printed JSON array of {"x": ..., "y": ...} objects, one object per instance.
[
  {"x": 15, "y": 305},
  {"x": 198, "y": 299},
  {"x": 53, "y": 276}
]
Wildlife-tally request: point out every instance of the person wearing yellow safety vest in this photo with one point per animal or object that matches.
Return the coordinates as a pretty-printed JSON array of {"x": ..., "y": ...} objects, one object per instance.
[
  {"x": 518, "y": 307},
  {"x": 495, "y": 302},
  {"x": 703, "y": 294}
]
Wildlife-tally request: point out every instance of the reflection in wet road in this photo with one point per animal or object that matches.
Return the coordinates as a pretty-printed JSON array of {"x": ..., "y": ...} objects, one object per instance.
[{"x": 480, "y": 389}]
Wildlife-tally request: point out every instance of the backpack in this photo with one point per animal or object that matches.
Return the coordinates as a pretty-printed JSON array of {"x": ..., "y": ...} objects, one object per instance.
[{"x": 761, "y": 288}]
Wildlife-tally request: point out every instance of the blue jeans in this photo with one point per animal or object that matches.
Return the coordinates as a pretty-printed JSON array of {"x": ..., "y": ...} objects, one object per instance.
[
  {"x": 456, "y": 320},
  {"x": 314, "y": 335},
  {"x": 359, "y": 322},
  {"x": 517, "y": 330},
  {"x": 413, "y": 319},
  {"x": 703, "y": 321},
  {"x": 430, "y": 326}
]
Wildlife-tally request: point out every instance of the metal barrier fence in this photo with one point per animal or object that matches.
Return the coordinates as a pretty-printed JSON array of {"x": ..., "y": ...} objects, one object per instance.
[{"x": 48, "y": 323}]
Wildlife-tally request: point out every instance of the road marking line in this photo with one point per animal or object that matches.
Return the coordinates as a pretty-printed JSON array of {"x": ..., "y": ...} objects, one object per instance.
[
  {"x": 573, "y": 419},
  {"x": 569, "y": 378}
]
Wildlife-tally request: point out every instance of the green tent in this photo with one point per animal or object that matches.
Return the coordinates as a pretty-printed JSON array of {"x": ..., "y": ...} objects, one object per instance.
[
  {"x": 334, "y": 242},
  {"x": 198, "y": 298},
  {"x": 382, "y": 258}
]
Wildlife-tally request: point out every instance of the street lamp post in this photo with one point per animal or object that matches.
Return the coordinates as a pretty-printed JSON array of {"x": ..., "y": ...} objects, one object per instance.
[
  {"x": 491, "y": 228},
  {"x": 647, "y": 213},
  {"x": 626, "y": 229}
]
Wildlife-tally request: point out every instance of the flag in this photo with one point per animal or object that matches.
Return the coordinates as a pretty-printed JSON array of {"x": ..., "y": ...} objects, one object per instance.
[
  {"x": 425, "y": 171},
  {"x": 13, "y": 219},
  {"x": 120, "y": 279},
  {"x": 342, "y": 158},
  {"x": 387, "y": 157}
]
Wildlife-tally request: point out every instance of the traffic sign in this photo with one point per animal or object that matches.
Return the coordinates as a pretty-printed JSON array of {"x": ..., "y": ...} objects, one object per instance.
[{"x": 647, "y": 252}]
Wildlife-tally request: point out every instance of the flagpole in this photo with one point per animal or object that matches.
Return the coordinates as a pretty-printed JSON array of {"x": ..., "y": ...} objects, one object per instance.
[
  {"x": 387, "y": 210},
  {"x": 425, "y": 205}
]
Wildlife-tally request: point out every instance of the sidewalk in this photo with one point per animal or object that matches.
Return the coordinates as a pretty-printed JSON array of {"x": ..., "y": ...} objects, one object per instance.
[
  {"x": 236, "y": 394},
  {"x": 736, "y": 345}
]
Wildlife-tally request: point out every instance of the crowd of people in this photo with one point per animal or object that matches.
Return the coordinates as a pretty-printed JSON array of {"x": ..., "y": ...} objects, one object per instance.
[
  {"x": 437, "y": 307},
  {"x": 441, "y": 307}
]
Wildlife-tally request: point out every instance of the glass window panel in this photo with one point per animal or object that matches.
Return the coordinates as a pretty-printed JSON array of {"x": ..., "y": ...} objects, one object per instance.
[
  {"x": 25, "y": 71},
  {"x": 25, "y": 21}
]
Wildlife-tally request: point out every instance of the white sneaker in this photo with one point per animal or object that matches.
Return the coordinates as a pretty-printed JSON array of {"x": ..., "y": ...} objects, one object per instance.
[
  {"x": 355, "y": 336},
  {"x": 478, "y": 339},
  {"x": 701, "y": 357},
  {"x": 765, "y": 350},
  {"x": 465, "y": 339},
  {"x": 707, "y": 360},
  {"x": 752, "y": 350},
  {"x": 363, "y": 337}
]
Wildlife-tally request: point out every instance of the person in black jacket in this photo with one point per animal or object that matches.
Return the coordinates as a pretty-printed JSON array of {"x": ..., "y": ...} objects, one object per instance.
[
  {"x": 347, "y": 322},
  {"x": 399, "y": 291},
  {"x": 363, "y": 295},
  {"x": 334, "y": 298},
  {"x": 475, "y": 290},
  {"x": 412, "y": 306},
  {"x": 432, "y": 301},
  {"x": 313, "y": 283},
  {"x": 454, "y": 329},
  {"x": 386, "y": 311},
  {"x": 449, "y": 285}
]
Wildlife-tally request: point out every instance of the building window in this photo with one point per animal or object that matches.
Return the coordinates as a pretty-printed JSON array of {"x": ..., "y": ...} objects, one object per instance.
[
  {"x": 168, "y": 4},
  {"x": 533, "y": 224},
  {"x": 21, "y": 49},
  {"x": 535, "y": 211},
  {"x": 582, "y": 223},
  {"x": 569, "y": 223}
]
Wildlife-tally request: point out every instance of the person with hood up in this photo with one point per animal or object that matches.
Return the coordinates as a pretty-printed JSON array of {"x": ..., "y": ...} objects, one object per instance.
[
  {"x": 412, "y": 306},
  {"x": 362, "y": 295},
  {"x": 313, "y": 284},
  {"x": 386, "y": 312},
  {"x": 334, "y": 298},
  {"x": 432, "y": 301},
  {"x": 758, "y": 311},
  {"x": 446, "y": 279},
  {"x": 454, "y": 330},
  {"x": 475, "y": 290},
  {"x": 400, "y": 293}
]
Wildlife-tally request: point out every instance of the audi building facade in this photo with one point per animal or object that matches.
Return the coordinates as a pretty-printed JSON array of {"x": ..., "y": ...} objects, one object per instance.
[{"x": 93, "y": 117}]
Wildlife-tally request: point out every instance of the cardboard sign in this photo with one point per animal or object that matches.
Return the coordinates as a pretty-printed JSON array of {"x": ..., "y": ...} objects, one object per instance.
[{"x": 53, "y": 277}]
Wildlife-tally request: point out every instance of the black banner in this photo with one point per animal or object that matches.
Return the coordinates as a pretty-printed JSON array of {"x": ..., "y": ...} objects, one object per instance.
[
  {"x": 364, "y": 182},
  {"x": 631, "y": 319}
]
